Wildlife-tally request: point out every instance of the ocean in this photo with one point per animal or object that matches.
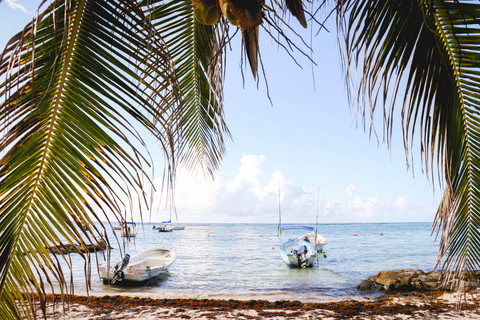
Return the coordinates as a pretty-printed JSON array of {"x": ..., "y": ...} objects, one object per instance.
[{"x": 242, "y": 261}]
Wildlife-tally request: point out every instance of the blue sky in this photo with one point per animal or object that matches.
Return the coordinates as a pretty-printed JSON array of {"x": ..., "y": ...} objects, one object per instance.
[{"x": 309, "y": 141}]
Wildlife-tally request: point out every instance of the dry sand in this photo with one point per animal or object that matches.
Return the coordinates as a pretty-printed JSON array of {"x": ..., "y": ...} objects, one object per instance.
[{"x": 435, "y": 305}]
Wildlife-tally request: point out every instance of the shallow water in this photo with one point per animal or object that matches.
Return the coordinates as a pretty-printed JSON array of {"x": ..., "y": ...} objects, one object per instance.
[{"x": 242, "y": 261}]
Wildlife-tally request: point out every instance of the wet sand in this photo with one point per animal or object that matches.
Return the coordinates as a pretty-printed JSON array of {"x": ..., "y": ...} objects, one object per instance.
[{"x": 433, "y": 305}]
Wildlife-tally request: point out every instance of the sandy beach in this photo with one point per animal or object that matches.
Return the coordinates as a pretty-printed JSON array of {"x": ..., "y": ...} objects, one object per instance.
[{"x": 432, "y": 305}]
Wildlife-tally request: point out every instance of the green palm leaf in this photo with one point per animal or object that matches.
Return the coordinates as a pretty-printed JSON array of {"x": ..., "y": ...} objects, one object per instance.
[
  {"x": 430, "y": 49},
  {"x": 459, "y": 31},
  {"x": 72, "y": 97},
  {"x": 197, "y": 52}
]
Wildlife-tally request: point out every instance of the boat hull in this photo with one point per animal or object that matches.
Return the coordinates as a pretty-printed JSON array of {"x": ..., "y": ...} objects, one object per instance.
[
  {"x": 141, "y": 267},
  {"x": 288, "y": 249},
  {"x": 165, "y": 228}
]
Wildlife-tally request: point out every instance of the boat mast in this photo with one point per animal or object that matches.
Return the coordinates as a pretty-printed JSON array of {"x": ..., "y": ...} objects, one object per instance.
[
  {"x": 279, "y": 215},
  {"x": 316, "y": 222},
  {"x": 176, "y": 214}
]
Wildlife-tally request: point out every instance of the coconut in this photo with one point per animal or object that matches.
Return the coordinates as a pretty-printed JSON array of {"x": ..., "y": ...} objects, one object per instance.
[
  {"x": 206, "y": 13},
  {"x": 228, "y": 13}
]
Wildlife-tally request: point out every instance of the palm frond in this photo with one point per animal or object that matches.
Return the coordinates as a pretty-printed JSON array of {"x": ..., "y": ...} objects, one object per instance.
[
  {"x": 197, "y": 51},
  {"x": 459, "y": 216},
  {"x": 79, "y": 79},
  {"x": 430, "y": 49}
]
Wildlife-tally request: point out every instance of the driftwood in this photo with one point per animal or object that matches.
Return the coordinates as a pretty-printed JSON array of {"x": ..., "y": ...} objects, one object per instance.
[{"x": 68, "y": 248}]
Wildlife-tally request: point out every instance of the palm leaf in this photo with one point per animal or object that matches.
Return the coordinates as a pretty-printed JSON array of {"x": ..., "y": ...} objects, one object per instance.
[
  {"x": 429, "y": 49},
  {"x": 459, "y": 215},
  {"x": 197, "y": 52},
  {"x": 72, "y": 98}
]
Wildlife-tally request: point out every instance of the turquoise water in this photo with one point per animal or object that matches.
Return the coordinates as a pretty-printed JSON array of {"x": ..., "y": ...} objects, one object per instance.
[{"x": 242, "y": 261}]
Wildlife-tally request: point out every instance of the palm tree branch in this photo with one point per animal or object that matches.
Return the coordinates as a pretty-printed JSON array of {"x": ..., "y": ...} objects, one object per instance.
[
  {"x": 197, "y": 51},
  {"x": 460, "y": 34},
  {"x": 69, "y": 95},
  {"x": 435, "y": 46}
]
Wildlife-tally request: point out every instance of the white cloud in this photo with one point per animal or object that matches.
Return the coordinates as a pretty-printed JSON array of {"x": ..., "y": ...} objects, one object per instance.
[
  {"x": 251, "y": 196},
  {"x": 330, "y": 208},
  {"x": 402, "y": 202},
  {"x": 14, "y": 5},
  {"x": 373, "y": 209},
  {"x": 350, "y": 190}
]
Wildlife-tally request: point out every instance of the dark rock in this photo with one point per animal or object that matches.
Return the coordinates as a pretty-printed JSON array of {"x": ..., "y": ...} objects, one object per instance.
[
  {"x": 368, "y": 285},
  {"x": 396, "y": 279},
  {"x": 417, "y": 280}
]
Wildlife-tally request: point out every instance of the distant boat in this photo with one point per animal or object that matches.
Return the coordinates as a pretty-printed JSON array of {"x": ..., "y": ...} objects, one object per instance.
[
  {"x": 118, "y": 227},
  {"x": 138, "y": 269},
  {"x": 176, "y": 226},
  {"x": 129, "y": 229},
  {"x": 166, "y": 226},
  {"x": 297, "y": 252}
]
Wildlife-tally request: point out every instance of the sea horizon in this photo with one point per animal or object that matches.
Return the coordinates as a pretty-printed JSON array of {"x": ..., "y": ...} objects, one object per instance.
[{"x": 269, "y": 223}]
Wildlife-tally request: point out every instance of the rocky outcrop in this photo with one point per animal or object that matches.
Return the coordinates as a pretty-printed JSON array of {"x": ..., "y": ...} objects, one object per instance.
[
  {"x": 368, "y": 285},
  {"x": 417, "y": 280}
]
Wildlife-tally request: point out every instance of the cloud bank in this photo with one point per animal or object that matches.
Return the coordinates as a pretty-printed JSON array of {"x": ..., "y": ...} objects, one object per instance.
[{"x": 252, "y": 196}]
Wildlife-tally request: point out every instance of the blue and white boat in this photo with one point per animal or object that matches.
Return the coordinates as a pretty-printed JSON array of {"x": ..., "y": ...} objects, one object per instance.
[
  {"x": 167, "y": 226},
  {"x": 299, "y": 251}
]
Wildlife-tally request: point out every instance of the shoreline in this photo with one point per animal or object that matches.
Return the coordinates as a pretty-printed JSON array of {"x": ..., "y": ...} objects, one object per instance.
[
  {"x": 395, "y": 305},
  {"x": 270, "y": 296}
]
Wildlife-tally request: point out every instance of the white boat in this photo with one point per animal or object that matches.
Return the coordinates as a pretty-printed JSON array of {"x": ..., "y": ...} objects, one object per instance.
[
  {"x": 165, "y": 226},
  {"x": 118, "y": 227},
  {"x": 176, "y": 226},
  {"x": 319, "y": 242},
  {"x": 139, "y": 268},
  {"x": 129, "y": 229},
  {"x": 300, "y": 251},
  {"x": 297, "y": 252}
]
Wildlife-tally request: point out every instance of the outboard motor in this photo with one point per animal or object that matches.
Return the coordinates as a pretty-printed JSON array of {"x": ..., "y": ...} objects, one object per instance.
[
  {"x": 118, "y": 269},
  {"x": 302, "y": 256}
]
